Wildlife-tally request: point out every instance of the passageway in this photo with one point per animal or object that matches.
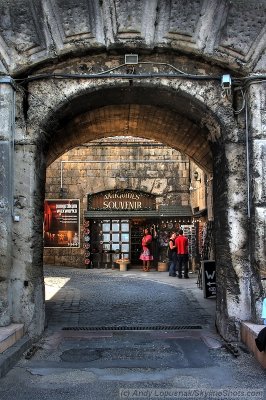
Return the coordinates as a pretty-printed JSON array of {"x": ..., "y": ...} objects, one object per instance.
[
  {"x": 155, "y": 111},
  {"x": 110, "y": 298},
  {"x": 73, "y": 361},
  {"x": 196, "y": 85}
]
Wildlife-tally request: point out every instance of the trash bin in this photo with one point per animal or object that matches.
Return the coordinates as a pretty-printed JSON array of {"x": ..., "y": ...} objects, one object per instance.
[{"x": 162, "y": 266}]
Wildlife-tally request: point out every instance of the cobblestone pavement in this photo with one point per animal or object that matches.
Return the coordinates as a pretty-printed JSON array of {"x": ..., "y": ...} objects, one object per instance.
[
  {"x": 114, "y": 298},
  {"x": 116, "y": 335}
]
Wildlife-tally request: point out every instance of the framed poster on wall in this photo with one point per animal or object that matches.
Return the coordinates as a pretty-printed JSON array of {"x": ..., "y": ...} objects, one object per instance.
[{"x": 61, "y": 223}]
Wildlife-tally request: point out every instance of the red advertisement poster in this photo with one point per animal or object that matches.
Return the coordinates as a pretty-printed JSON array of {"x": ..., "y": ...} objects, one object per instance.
[{"x": 61, "y": 223}]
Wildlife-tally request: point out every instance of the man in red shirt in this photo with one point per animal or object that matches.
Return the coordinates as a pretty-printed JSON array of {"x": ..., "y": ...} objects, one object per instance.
[{"x": 181, "y": 243}]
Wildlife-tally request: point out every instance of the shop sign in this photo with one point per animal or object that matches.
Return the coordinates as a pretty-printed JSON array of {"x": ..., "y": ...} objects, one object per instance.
[
  {"x": 121, "y": 200},
  {"x": 61, "y": 223},
  {"x": 208, "y": 278}
]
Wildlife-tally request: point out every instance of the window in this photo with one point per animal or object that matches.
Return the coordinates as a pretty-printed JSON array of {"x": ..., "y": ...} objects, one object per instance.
[{"x": 113, "y": 236}]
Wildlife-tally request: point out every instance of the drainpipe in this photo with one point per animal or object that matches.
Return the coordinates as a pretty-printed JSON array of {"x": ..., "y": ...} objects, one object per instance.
[
  {"x": 247, "y": 160},
  {"x": 12, "y": 150}
]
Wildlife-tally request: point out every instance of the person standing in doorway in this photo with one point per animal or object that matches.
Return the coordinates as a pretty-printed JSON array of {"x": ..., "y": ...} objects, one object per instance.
[
  {"x": 172, "y": 254},
  {"x": 146, "y": 255},
  {"x": 181, "y": 243}
]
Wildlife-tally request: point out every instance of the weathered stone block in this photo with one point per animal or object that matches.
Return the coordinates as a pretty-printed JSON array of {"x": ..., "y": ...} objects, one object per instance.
[
  {"x": 260, "y": 239},
  {"x": 259, "y": 172}
]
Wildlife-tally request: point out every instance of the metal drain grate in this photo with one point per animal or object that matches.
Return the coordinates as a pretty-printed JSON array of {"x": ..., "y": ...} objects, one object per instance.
[{"x": 132, "y": 328}]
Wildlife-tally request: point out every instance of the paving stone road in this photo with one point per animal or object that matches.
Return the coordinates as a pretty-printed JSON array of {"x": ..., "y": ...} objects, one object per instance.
[{"x": 130, "y": 335}]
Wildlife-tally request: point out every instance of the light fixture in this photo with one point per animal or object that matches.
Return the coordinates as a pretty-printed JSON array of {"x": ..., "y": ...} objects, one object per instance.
[
  {"x": 226, "y": 81},
  {"x": 131, "y": 59},
  {"x": 226, "y": 84},
  {"x": 196, "y": 176}
]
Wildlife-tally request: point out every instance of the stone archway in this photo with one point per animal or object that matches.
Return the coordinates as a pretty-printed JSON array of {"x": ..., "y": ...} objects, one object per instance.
[
  {"x": 192, "y": 118},
  {"x": 217, "y": 37}
]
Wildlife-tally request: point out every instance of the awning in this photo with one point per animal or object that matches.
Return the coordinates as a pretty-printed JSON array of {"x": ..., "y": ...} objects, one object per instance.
[
  {"x": 121, "y": 214},
  {"x": 200, "y": 213},
  {"x": 163, "y": 211},
  {"x": 175, "y": 211}
]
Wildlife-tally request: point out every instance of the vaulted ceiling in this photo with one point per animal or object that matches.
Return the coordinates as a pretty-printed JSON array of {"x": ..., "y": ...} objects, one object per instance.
[
  {"x": 227, "y": 33},
  {"x": 138, "y": 121}
]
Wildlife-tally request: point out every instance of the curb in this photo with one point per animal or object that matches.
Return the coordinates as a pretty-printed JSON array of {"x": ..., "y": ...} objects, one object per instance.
[{"x": 12, "y": 355}]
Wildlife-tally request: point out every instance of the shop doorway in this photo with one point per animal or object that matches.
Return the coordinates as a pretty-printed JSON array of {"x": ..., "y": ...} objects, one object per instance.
[{"x": 112, "y": 239}]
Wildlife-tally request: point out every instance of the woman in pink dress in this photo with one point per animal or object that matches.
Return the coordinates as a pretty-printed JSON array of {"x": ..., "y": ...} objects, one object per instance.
[{"x": 146, "y": 255}]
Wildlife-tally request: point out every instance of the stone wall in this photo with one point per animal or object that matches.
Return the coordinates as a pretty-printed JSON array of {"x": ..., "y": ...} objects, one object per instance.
[
  {"x": 169, "y": 181},
  {"x": 227, "y": 32},
  {"x": 194, "y": 117},
  {"x": 196, "y": 41},
  {"x": 7, "y": 115}
]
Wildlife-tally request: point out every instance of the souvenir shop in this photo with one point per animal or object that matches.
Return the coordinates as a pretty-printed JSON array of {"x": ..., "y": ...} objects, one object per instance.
[{"x": 114, "y": 223}]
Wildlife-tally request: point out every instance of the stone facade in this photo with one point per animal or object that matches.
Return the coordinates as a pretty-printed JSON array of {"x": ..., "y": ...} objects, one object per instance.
[
  {"x": 116, "y": 163},
  {"x": 58, "y": 52},
  {"x": 228, "y": 33}
]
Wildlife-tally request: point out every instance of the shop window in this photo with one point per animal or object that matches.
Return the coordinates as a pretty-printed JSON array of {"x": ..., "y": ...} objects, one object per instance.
[
  {"x": 124, "y": 226},
  {"x": 115, "y": 247},
  {"x": 106, "y": 226},
  {"x": 106, "y": 237},
  {"x": 115, "y": 237},
  {"x": 115, "y": 226},
  {"x": 111, "y": 236},
  {"x": 125, "y": 247},
  {"x": 106, "y": 247},
  {"x": 125, "y": 237}
]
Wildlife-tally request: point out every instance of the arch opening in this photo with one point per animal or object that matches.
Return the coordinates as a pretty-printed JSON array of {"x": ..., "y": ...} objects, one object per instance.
[
  {"x": 168, "y": 119},
  {"x": 136, "y": 113},
  {"x": 169, "y": 116},
  {"x": 121, "y": 177}
]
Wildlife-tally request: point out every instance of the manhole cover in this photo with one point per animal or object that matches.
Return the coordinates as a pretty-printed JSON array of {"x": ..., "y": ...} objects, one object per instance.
[{"x": 80, "y": 355}]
